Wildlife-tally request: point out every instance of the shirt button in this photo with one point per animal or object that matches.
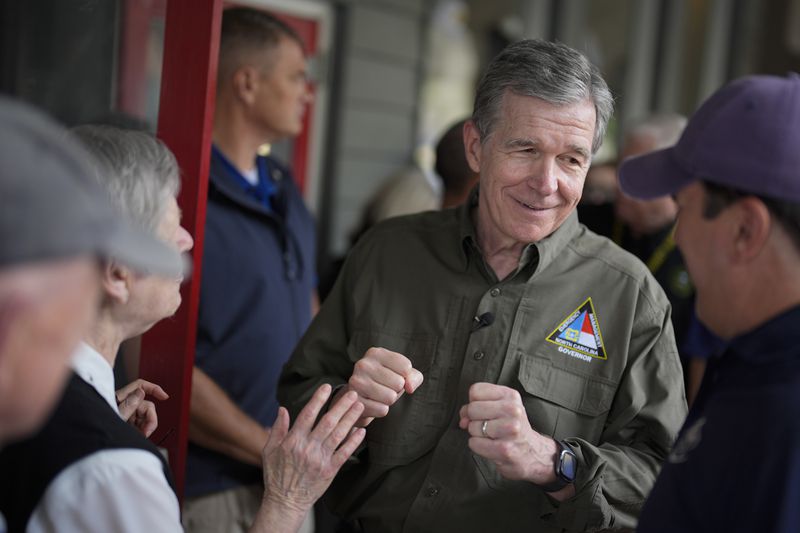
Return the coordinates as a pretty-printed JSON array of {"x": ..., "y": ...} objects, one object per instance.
[
  {"x": 478, "y": 355},
  {"x": 495, "y": 292},
  {"x": 431, "y": 492}
]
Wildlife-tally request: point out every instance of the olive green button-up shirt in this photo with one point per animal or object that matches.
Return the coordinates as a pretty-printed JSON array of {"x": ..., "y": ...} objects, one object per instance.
[{"x": 581, "y": 330}]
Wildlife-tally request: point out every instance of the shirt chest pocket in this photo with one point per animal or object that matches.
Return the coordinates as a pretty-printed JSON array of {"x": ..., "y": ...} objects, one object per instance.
[
  {"x": 562, "y": 403},
  {"x": 412, "y": 426}
]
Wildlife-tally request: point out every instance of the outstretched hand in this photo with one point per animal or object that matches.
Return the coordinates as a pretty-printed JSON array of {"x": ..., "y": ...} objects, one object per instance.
[{"x": 300, "y": 463}]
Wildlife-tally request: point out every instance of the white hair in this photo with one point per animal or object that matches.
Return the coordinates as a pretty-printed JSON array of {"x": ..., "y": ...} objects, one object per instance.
[{"x": 137, "y": 171}]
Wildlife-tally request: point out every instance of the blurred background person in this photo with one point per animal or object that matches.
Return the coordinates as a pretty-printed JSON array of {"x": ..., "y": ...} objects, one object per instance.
[
  {"x": 641, "y": 219},
  {"x": 646, "y": 228},
  {"x": 412, "y": 191},
  {"x": 458, "y": 179},
  {"x": 596, "y": 207},
  {"x": 259, "y": 264}
]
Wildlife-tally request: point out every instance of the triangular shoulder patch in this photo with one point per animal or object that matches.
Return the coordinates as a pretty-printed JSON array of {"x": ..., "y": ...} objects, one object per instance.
[{"x": 580, "y": 332}]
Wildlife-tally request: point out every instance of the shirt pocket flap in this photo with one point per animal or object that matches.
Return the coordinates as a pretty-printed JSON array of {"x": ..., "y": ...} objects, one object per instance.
[{"x": 576, "y": 392}]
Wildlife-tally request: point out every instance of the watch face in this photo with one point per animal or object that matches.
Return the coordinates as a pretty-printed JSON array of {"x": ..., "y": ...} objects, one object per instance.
[{"x": 568, "y": 468}]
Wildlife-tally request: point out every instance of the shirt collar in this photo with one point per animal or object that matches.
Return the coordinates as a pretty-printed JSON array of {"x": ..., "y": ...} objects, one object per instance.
[
  {"x": 543, "y": 251},
  {"x": 92, "y": 368},
  {"x": 775, "y": 339},
  {"x": 228, "y": 180},
  {"x": 466, "y": 229}
]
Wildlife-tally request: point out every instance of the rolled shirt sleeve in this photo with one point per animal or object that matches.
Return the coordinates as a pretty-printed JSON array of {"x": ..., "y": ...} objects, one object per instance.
[{"x": 616, "y": 473}]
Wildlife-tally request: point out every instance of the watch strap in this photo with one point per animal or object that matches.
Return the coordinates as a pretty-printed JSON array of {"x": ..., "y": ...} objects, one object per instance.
[{"x": 561, "y": 480}]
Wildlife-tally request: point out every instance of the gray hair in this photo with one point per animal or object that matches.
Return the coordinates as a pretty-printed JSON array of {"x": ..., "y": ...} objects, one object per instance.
[
  {"x": 137, "y": 171},
  {"x": 663, "y": 129},
  {"x": 550, "y": 71}
]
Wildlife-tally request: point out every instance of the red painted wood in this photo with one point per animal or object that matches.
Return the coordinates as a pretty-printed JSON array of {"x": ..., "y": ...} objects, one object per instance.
[{"x": 188, "y": 86}]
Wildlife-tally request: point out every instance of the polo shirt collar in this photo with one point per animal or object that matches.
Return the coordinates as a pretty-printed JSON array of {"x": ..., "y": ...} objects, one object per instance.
[
  {"x": 92, "y": 368},
  {"x": 228, "y": 185},
  {"x": 543, "y": 252},
  {"x": 773, "y": 340}
]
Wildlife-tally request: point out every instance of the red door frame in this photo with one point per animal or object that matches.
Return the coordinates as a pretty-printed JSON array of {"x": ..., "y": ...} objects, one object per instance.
[{"x": 186, "y": 110}]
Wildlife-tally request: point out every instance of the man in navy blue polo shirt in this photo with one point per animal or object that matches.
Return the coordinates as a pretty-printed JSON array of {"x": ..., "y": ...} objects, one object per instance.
[
  {"x": 258, "y": 269},
  {"x": 735, "y": 174}
]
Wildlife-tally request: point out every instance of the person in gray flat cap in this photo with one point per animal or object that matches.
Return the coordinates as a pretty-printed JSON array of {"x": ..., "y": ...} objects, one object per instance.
[
  {"x": 735, "y": 174},
  {"x": 117, "y": 477},
  {"x": 55, "y": 227}
]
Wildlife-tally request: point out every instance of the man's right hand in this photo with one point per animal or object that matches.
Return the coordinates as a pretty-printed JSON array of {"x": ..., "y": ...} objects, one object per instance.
[{"x": 380, "y": 378}]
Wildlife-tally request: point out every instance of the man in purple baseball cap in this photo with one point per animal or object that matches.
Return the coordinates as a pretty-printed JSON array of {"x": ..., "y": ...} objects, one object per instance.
[{"x": 735, "y": 174}]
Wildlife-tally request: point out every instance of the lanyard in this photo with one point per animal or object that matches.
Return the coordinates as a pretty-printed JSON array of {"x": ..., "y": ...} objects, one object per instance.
[{"x": 659, "y": 255}]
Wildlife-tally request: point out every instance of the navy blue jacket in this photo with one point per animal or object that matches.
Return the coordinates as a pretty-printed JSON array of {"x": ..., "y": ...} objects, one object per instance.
[
  {"x": 736, "y": 463},
  {"x": 255, "y": 302}
]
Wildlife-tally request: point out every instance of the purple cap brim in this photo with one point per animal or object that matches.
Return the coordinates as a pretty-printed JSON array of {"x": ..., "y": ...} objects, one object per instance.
[{"x": 652, "y": 175}]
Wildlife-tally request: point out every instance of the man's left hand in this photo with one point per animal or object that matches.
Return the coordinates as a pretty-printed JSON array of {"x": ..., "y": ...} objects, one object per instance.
[{"x": 500, "y": 432}]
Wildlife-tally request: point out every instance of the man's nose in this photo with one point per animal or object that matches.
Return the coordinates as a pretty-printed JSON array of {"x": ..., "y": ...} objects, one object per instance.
[
  {"x": 544, "y": 178},
  {"x": 185, "y": 241}
]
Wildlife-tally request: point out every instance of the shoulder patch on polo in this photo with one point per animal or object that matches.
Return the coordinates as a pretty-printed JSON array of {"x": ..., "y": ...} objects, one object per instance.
[{"x": 580, "y": 332}]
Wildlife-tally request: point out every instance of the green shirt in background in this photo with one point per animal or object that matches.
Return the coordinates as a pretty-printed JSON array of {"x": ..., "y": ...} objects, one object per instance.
[{"x": 581, "y": 330}]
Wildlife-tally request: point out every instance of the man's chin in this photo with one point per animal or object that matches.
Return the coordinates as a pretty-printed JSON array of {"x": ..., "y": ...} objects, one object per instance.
[{"x": 176, "y": 307}]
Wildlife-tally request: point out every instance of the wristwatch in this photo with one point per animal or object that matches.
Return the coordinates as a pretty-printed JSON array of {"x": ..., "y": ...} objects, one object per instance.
[{"x": 565, "y": 466}]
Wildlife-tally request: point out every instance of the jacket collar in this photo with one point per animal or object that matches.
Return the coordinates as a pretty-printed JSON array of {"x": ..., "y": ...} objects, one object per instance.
[
  {"x": 227, "y": 185},
  {"x": 775, "y": 339}
]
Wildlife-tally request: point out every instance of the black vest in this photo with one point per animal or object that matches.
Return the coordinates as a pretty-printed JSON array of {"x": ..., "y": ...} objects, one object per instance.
[{"x": 82, "y": 424}]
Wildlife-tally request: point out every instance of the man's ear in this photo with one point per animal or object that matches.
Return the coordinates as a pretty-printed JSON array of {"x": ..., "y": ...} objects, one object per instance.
[
  {"x": 472, "y": 146},
  {"x": 753, "y": 223},
  {"x": 245, "y": 82},
  {"x": 116, "y": 282}
]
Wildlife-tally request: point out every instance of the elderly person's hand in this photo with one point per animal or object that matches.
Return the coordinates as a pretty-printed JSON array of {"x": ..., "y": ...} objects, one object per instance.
[
  {"x": 299, "y": 464},
  {"x": 135, "y": 409},
  {"x": 499, "y": 430},
  {"x": 380, "y": 378}
]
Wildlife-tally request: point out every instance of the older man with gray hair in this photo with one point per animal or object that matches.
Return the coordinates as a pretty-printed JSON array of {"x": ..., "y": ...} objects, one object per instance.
[
  {"x": 518, "y": 372},
  {"x": 647, "y": 217},
  {"x": 645, "y": 228}
]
